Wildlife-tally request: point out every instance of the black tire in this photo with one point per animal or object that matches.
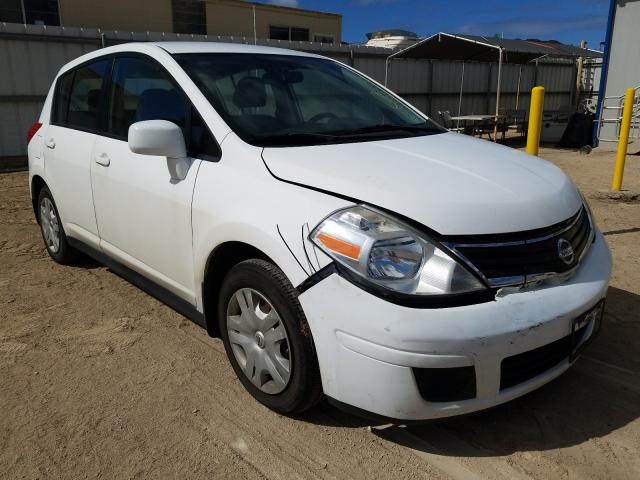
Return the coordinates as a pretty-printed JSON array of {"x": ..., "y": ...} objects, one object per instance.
[
  {"x": 304, "y": 388},
  {"x": 64, "y": 254}
]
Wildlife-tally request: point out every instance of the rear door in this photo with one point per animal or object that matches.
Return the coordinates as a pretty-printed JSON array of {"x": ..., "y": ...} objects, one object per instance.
[
  {"x": 69, "y": 141},
  {"x": 144, "y": 215}
]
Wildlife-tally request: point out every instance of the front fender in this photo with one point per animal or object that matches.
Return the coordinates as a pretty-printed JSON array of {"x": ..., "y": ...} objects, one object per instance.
[{"x": 238, "y": 200}]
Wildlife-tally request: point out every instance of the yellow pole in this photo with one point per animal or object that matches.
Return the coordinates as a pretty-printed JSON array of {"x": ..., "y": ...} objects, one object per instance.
[
  {"x": 623, "y": 142},
  {"x": 535, "y": 120}
]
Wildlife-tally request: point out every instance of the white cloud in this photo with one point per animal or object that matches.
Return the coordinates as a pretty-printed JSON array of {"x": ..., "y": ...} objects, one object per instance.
[
  {"x": 285, "y": 3},
  {"x": 523, "y": 27}
]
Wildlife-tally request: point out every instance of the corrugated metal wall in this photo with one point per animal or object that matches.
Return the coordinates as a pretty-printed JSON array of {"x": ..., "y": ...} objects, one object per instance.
[
  {"x": 31, "y": 56},
  {"x": 591, "y": 74},
  {"x": 29, "y": 64},
  {"x": 435, "y": 85}
]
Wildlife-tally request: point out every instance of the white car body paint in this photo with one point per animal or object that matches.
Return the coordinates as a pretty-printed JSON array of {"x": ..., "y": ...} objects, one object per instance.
[
  {"x": 144, "y": 217},
  {"x": 166, "y": 229},
  {"x": 451, "y": 183},
  {"x": 242, "y": 221}
]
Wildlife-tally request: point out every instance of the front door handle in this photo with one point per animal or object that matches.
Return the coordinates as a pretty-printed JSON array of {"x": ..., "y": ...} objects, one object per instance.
[
  {"x": 51, "y": 143},
  {"x": 103, "y": 159}
]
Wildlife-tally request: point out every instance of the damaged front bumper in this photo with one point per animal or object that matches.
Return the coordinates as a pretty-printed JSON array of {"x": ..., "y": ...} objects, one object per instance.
[{"x": 412, "y": 364}]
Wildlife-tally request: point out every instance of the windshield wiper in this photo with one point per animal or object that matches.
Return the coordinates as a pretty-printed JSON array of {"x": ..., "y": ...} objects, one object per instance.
[
  {"x": 293, "y": 138},
  {"x": 298, "y": 137},
  {"x": 387, "y": 127}
]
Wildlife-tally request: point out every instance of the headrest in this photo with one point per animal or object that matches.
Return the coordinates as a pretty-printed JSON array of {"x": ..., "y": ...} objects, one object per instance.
[
  {"x": 159, "y": 104},
  {"x": 250, "y": 92}
]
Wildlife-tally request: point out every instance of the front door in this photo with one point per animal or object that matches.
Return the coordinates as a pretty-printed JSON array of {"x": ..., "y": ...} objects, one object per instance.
[{"x": 144, "y": 215}]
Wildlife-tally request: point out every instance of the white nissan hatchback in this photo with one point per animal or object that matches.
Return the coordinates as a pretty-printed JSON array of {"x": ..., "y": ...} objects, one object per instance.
[{"x": 337, "y": 240}]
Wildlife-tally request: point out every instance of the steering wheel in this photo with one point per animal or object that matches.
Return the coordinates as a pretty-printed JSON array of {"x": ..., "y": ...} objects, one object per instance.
[{"x": 321, "y": 116}]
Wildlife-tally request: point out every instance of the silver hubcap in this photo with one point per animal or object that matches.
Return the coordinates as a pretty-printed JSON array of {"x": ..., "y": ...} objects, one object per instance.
[
  {"x": 259, "y": 340},
  {"x": 50, "y": 225}
]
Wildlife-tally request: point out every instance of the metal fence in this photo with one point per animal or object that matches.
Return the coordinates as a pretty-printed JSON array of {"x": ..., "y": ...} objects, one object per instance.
[
  {"x": 31, "y": 55},
  {"x": 610, "y": 119}
]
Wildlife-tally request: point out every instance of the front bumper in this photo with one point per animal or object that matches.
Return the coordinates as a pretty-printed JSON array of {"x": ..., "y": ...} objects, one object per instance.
[{"x": 367, "y": 347}]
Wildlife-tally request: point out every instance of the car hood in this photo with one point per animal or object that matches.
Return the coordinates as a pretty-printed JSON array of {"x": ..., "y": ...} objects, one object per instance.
[{"x": 451, "y": 183}]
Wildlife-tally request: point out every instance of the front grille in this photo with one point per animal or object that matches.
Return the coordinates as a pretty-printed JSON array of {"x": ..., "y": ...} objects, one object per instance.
[
  {"x": 510, "y": 259},
  {"x": 525, "y": 366}
]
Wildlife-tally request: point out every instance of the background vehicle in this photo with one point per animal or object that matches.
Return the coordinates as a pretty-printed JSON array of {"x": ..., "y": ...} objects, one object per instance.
[{"x": 336, "y": 239}]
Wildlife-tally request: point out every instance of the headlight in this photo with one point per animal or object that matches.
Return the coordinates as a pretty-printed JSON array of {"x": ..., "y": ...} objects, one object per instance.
[{"x": 390, "y": 254}]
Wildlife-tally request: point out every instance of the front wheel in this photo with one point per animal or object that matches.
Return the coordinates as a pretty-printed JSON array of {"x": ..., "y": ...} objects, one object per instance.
[{"x": 267, "y": 339}]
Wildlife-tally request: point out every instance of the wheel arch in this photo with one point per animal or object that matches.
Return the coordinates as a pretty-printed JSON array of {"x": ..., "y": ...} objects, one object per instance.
[
  {"x": 224, "y": 257},
  {"x": 37, "y": 184}
]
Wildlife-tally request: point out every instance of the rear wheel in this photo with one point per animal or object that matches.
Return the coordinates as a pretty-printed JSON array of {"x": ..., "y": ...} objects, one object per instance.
[
  {"x": 267, "y": 339},
  {"x": 53, "y": 234}
]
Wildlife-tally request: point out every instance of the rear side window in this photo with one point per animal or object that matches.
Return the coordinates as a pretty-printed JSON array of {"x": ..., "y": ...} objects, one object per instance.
[
  {"x": 61, "y": 100},
  {"x": 79, "y": 97}
]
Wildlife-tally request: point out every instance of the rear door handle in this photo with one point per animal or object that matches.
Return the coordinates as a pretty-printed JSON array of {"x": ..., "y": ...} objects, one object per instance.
[
  {"x": 51, "y": 143},
  {"x": 103, "y": 159}
]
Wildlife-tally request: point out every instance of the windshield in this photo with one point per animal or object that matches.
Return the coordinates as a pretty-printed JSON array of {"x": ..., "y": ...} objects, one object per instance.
[{"x": 285, "y": 100}]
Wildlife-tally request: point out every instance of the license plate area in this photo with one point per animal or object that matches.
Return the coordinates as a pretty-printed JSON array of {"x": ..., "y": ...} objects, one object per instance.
[{"x": 585, "y": 328}]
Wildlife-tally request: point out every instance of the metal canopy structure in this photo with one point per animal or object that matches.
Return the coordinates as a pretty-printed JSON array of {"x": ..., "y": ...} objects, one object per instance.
[
  {"x": 475, "y": 48},
  {"x": 446, "y": 46}
]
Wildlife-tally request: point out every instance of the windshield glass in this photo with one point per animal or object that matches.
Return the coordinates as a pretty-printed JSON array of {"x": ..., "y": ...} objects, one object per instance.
[{"x": 285, "y": 100}]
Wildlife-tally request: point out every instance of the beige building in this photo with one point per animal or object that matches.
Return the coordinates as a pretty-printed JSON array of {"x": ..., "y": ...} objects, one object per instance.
[
  {"x": 123, "y": 15},
  {"x": 235, "y": 17},
  {"x": 213, "y": 17}
]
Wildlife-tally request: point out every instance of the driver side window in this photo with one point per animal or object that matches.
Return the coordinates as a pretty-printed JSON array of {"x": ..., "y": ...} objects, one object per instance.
[{"x": 141, "y": 90}]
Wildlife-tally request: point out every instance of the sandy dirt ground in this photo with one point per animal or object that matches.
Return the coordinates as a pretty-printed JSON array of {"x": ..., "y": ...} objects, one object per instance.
[{"x": 99, "y": 380}]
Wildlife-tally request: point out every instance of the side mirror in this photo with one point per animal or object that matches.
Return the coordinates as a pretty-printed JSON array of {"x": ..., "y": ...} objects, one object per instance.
[{"x": 157, "y": 137}]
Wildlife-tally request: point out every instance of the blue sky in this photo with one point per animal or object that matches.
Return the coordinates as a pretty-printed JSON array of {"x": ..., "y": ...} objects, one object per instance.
[{"x": 568, "y": 21}]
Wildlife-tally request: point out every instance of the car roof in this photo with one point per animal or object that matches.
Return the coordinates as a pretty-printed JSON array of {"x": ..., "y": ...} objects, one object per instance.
[
  {"x": 153, "y": 48},
  {"x": 219, "y": 47}
]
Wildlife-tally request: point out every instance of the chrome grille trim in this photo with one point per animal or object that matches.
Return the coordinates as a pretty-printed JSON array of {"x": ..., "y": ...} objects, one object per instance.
[{"x": 530, "y": 278}]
